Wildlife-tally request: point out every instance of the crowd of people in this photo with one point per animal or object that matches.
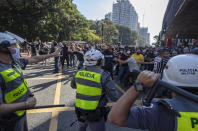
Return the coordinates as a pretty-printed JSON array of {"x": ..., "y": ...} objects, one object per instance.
[
  {"x": 121, "y": 61},
  {"x": 99, "y": 67}
]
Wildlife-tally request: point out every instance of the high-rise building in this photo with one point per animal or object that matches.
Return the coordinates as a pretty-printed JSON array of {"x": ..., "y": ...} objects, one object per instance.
[
  {"x": 148, "y": 38},
  {"x": 144, "y": 34},
  {"x": 138, "y": 28},
  {"x": 125, "y": 14},
  {"x": 108, "y": 16}
]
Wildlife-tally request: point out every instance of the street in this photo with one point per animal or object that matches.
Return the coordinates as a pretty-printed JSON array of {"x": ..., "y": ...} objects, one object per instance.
[
  {"x": 52, "y": 89},
  {"x": 149, "y": 47}
]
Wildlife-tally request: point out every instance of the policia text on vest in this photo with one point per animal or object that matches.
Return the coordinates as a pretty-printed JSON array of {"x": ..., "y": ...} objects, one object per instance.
[
  {"x": 16, "y": 86},
  {"x": 87, "y": 74},
  {"x": 194, "y": 122}
]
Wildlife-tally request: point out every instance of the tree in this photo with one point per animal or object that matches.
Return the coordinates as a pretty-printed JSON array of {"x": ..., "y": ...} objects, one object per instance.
[
  {"x": 134, "y": 37},
  {"x": 105, "y": 29},
  {"x": 25, "y": 20},
  {"x": 157, "y": 42},
  {"x": 126, "y": 35},
  {"x": 110, "y": 31},
  {"x": 50, "y": 20},
  {"x": 59, "y": 20},
  {"x": 156, "y": 38},
  {"x": 141, "y": 41},
  {"x": 93, "y": 38}
]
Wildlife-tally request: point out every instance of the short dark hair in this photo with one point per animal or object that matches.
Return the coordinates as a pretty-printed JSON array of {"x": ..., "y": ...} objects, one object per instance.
[
  {"x": 162, "y": 50},
  {"x": 5, "y": 44}
]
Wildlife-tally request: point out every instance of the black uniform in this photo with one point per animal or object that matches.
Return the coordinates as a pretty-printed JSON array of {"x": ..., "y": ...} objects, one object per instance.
[
  {"x": 108, "y": 61},
  {"x": 65, "y": 56}
]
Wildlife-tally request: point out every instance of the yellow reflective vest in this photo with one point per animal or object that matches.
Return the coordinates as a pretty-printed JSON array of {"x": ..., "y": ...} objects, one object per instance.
[
  {"x": 16, "y": 88},
  {"x": 188, "y": 121},
  {"x": 188, "y": 111},
  {"x": 89, "y": 89}
]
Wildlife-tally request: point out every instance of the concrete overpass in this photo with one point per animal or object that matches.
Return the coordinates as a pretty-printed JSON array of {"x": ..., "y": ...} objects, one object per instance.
[{"x": 181, "y": 19}]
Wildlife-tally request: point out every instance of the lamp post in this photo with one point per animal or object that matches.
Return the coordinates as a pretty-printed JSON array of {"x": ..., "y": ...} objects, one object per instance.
[{"x": 102, "y": 33}]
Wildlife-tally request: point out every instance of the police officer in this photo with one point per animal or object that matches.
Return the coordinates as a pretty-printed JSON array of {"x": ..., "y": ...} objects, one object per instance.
[
  {"x": 93, "y": 85},
  {"x": 15, "y": 96},
  {"x": 173, "y": 114},
  {"x": 108, "y": 59}
]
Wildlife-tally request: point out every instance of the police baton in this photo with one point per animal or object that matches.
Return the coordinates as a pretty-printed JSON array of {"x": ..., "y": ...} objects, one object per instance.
[
  {"x": 179, "y": 91},
  {"x": 47, "y": 106},
  {"x": 159, "y": 83}
]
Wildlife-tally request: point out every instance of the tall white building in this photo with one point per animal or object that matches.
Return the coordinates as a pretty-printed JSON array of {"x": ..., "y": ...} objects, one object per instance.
[
  {"x": 124, "y": 14},
  {"x": 108, "y": 16},
  {"x": 144, "y": 34}
]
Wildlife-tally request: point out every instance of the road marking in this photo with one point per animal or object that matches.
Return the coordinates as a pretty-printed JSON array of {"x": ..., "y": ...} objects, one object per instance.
[
  {"x": 58, "y": 87},
  {"x": 55, "y": 109},
  {"x": 43, "y": 78},
  {"x": 54, "y": 119}
]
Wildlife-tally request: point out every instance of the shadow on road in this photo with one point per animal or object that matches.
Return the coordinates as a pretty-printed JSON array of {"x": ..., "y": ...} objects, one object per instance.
[{"x": 67, "y": 117}]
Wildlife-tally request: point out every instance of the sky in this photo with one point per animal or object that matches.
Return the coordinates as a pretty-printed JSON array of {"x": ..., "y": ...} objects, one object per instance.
[{"x": 152, "y": 10}]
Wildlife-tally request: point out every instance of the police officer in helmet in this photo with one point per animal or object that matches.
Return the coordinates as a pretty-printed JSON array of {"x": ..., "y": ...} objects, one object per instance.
[
  {"x": 93, "y": 85},
  {"x": 15, "y": 96},
  {"x": 175, "y": 114}
]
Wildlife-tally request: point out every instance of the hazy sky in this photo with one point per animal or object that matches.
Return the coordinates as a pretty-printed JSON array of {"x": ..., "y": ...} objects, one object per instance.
[{"x": 152, "y": 10}]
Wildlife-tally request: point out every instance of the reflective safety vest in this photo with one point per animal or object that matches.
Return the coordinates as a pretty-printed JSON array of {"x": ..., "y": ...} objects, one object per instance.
[
  {"x": 16, "y": 87},
  {"x": 188, "y": 111},
  {"x": 89, "y": 88}
]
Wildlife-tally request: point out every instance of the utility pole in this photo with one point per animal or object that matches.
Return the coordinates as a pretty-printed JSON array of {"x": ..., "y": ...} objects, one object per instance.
[{"x": 102, "y": 33}]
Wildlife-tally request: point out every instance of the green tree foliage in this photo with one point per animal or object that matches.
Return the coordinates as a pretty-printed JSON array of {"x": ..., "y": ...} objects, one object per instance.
[
  {"x": 156, "y": 37},
  {"x": 105, "y": 29},
  {"x": 93, "y": 38},
  {"x": 59, "y": 20},
  {"x": 141, "y": 41},
  {"x": 126, "y": 35},
  {"x": 110, "y": 31},
  {"x": 157, "y": 42},
  {"x": 48, "y": 19}
]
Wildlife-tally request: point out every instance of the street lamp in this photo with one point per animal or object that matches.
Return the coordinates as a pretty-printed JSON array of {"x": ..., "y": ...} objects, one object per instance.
[{"x": 102, "y": 33}]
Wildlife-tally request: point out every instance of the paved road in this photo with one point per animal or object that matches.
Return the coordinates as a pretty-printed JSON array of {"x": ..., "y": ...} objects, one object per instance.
[{"x": 51, "y": 89}]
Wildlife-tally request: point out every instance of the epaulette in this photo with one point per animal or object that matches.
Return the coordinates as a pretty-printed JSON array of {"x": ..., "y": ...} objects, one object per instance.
[{"x": 168, "y": 106}]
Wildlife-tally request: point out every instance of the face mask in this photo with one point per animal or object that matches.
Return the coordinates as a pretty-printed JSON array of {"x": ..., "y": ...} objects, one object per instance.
[{"x": 17, "y": 54}]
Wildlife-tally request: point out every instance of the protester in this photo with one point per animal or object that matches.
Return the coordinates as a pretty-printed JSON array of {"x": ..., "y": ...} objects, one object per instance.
[
  {"x": 138, "y": 57},
  {"x": 80, "y": 57},
  {"x": 108, "y": 60},
  {"x": 65, "y": 56}
]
